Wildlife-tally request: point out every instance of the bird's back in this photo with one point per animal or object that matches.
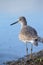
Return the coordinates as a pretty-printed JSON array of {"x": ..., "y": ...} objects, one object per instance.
[{"x": 28, "y": 33}]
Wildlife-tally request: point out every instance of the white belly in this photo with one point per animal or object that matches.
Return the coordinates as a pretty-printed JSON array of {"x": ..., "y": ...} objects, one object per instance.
[{"x": 24, "y": 39}]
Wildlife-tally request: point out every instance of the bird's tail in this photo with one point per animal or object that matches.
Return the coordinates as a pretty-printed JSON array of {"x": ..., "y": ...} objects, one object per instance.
[{"x": 40, "y": 39}]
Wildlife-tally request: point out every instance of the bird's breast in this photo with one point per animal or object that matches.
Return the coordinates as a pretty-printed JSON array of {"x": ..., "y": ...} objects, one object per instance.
[{"x": 25, "y": 39}]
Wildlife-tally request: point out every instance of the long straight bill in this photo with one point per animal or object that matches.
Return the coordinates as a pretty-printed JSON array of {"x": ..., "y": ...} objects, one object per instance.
[{"x": 14, "y": 23}]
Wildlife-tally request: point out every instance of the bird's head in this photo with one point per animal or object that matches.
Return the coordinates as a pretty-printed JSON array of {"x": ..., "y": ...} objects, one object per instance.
[{"x": 21, "y": 20}]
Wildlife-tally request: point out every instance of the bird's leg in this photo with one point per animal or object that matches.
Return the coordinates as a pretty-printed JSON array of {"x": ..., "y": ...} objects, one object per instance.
[
  {"x": 26, "y": 49},
  {"x": 26, "y": 52},
  {"x": 31, "y": 51}
]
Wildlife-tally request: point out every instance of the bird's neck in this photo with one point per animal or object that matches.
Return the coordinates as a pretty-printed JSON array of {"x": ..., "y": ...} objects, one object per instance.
[{"x": 23, "y": 23}]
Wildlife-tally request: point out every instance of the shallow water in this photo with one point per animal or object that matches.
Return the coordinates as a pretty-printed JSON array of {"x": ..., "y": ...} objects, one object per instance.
[
  {"x": 10, "y": 46},
  {"x": 12, "y": 53}
]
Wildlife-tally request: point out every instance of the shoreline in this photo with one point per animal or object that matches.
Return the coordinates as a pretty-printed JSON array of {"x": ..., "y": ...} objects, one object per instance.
[{"x": 37, "y": 59}]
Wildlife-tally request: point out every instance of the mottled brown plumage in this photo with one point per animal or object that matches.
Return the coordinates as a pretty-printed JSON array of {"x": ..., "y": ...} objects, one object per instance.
[{"x": 28, "y": 33}]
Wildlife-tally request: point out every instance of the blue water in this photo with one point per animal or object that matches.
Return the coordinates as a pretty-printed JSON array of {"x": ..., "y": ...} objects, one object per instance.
[
  {"x": 15, "y": 52},
  {"x": 11, "y": 48}
]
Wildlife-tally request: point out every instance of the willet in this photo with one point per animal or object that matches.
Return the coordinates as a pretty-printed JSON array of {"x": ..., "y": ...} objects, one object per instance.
[{"x": 28, "y": 34}]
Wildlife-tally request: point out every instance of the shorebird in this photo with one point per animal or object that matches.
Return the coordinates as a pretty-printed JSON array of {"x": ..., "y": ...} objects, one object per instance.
[{"x": 28, "y": 34}]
